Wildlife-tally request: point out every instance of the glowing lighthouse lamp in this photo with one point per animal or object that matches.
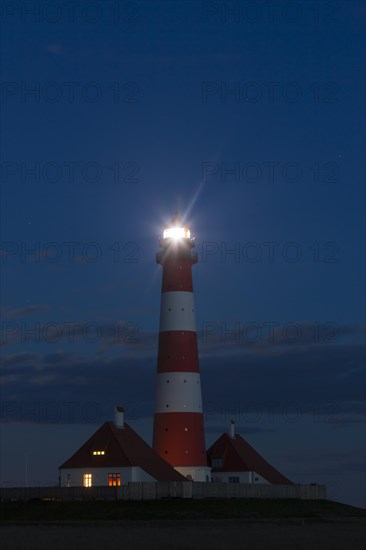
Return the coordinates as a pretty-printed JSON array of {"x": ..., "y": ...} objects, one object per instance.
[
  {"x": 176, "y": 233},
  {"x": 178, "y": 421}
]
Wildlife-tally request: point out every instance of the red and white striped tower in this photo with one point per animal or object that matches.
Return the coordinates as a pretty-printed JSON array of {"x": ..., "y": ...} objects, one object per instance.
[{"x": 179, "y": 436}]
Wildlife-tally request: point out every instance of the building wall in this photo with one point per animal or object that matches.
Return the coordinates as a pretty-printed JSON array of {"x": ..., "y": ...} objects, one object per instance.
[
  {"x": 196, "y": 473},
  {"x": 244, "y": 477},
  {"x": 74, "y": 477},
  {"x": 100, "y": 476}
]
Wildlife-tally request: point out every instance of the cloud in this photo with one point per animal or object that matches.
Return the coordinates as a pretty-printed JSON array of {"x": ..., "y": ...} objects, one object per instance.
[
  {"x": 17, "y": 360},
  {"x": 220, "y": 428},
  {"x": 23, "y": 311},
  {"x": 326, "y": 381},
  {"x": 271, "y": 336},
  {"x": 323, "y": 381},
  {"x": 327, "y": 463},
  {"x": 101, "y": 337},
  {"x": 55, "y": 48}
]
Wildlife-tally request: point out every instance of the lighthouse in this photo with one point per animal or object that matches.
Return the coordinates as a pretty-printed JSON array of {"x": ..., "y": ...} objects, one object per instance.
[{"x": 178, "y": 421}]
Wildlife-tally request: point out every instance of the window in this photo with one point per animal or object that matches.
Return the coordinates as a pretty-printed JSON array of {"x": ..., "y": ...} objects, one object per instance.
[
  {"x": 98, "y": 453},
  {"x": 87, "y": 480},
  {"x": 114, "y": 480},
  {"x": 217, "y": 463},
  {"x": 233, "y": 479}
]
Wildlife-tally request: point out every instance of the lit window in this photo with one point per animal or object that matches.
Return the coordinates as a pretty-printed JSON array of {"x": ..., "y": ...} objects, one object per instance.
[
  {"x": 98, "y": 453},
  {"x": 87, "y": 480},
  {"x": 114, "y": 480}
]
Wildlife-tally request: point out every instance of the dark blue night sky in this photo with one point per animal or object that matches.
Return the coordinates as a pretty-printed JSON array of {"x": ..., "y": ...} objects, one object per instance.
[{"x": 247, "y": 117}]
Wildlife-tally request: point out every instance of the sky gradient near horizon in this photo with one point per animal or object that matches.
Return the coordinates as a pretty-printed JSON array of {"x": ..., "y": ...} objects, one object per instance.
[{"x": 247, "y": 117}]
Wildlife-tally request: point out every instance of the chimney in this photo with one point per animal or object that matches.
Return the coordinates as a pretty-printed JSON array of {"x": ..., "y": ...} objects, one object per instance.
[
  {"x": 118, "y": 416},
  {"x": 232, "y": 429}
]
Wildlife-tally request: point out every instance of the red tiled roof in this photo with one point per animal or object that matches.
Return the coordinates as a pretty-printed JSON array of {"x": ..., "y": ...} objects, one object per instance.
[
  {"x": 239, "y": 456},
  {"x": 123, "y": 447}
]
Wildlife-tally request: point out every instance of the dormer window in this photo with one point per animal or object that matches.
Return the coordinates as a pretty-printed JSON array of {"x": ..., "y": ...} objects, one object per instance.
[{"x": 217, "y": 462}]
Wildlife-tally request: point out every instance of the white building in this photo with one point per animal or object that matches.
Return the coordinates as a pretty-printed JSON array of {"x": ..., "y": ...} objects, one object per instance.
[
  {"x": 114, "y": 455},
  {"x": 233, "y": 460}
]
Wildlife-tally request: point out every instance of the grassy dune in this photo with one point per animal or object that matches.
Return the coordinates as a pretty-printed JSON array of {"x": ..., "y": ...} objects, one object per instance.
[{"x": 176, "y": 509}]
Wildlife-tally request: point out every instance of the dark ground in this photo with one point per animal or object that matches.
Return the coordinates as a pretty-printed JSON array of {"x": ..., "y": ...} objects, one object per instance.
[
  {"x": 176, "y": 509},
  {"x": 175, "y": 524}
]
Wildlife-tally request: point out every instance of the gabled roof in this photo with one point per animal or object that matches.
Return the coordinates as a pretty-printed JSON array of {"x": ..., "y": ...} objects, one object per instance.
[
  {"x": 239, "y": 456},
  {"x": 122, "y": 447}
]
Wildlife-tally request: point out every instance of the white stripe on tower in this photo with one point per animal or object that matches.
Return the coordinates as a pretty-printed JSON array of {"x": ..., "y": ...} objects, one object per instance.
[
  {"x": 178, "y": 392},
  {"x": 177, "y": 311}
]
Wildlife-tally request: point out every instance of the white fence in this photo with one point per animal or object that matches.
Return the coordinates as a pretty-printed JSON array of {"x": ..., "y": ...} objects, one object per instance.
[{"x": 171, "y": 489}]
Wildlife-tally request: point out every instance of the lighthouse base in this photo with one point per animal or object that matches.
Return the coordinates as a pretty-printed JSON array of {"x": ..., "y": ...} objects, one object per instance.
[{"x": 195, "y": 473}]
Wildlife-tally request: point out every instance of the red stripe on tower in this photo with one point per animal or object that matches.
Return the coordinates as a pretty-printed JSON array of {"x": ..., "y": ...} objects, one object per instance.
[{"x": 179, "y": 435}]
